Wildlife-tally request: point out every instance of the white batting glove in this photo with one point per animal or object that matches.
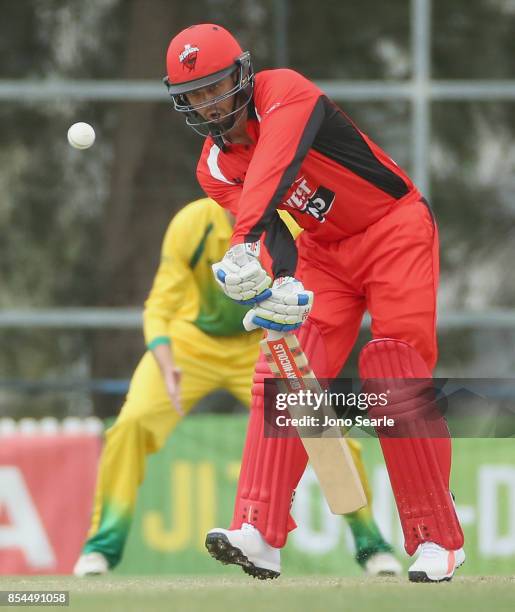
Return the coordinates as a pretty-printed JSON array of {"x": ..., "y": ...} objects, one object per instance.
[
  {"x": 285, "y": 310},
  {"x": 241, "y": 276}
]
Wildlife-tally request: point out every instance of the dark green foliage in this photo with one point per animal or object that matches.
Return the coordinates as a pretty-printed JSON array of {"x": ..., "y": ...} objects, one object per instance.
[{"x": 473, "y": 39}]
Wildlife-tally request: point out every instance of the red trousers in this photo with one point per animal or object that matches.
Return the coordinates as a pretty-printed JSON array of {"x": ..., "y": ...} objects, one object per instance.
[{"x": 391, "y": 270}]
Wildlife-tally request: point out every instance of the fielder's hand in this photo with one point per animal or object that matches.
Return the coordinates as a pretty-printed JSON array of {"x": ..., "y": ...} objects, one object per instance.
[
  {"x": 172, "y": 378},
  {"x": 241, "y": 276},
  {"x": 285, "y": 310}
]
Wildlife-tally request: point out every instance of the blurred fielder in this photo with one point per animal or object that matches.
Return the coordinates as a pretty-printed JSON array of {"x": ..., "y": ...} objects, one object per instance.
[
  {"x": 196, "y": 344},
  {"x": 275, "y": 141}
]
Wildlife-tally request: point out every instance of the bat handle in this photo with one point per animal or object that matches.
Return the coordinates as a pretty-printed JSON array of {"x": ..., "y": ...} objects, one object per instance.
[
  {"x": 275, "y": 335},
  {"x": 271, "y": 334}
]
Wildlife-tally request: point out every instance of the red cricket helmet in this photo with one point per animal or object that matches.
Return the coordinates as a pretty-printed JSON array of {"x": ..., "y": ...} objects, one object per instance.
[{"x": 198, "y": 57}]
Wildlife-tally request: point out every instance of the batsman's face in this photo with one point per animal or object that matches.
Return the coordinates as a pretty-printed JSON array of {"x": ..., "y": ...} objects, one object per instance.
[{"x": 218, "y": 110}]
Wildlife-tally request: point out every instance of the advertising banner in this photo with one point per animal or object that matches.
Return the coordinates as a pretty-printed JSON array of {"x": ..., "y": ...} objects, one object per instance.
[
  {"x": 46, "y": 489},
  {"x": 47, "y": 483},
  {"x": 190, "y": 487}
]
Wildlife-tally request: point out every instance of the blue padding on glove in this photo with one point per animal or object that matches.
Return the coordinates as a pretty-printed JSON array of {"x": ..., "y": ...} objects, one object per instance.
[
  {"x": 275, "y": 326},
  {"x": 220, "y": 275},
  {"x": 303, "y": 299},
  {"x": 255, "y": 300}
]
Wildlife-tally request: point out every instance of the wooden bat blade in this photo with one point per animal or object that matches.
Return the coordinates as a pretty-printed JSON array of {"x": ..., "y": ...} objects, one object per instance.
[
  {"x": 339, "y": 480},
  {"x": 329, "y": 455}
]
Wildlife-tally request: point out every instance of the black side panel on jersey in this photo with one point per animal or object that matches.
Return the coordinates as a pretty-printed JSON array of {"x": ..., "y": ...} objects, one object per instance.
[
  {"x": 281, "y": 246},
  {"x": 340, "y": 141},
  {"x": 306, "y": 141}
]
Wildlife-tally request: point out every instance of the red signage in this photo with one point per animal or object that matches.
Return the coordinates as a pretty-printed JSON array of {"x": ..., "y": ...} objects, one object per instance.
[{"x": 46, "y": 496}]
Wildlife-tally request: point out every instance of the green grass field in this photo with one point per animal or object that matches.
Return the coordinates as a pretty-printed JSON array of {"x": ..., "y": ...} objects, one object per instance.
[{"x": 126, "y": 594}]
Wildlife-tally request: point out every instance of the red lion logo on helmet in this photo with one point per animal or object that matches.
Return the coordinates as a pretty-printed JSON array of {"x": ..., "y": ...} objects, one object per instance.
[{"x": 188, "y": 56}]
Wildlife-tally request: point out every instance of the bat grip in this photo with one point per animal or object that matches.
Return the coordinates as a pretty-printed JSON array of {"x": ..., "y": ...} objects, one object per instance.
[{"x": 275, "y": 335}]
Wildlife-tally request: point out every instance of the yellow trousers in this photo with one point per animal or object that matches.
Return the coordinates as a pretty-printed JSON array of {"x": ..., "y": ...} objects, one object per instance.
[{"x": 147, "y": 418}]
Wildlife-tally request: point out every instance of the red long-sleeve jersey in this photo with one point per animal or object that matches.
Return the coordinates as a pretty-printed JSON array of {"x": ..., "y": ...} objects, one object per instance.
[{"x": 309, "y": 158}]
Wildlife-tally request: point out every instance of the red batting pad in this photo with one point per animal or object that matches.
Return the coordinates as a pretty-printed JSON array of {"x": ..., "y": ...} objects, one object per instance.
[
  {"x": 418, "y": 465},
  {"x": 270, "y": 471}
]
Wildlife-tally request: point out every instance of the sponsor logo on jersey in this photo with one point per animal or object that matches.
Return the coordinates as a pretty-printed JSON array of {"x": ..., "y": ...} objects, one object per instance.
[
  {"x": 188, "y": 56},
  {"x": 313, "y": 201}
]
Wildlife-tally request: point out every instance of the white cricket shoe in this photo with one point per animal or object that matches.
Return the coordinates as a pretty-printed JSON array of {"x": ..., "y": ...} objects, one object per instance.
[
  {"x": 91, "y": 564},
  {"x": 435, "y": 564},
  {"x": 245, "y": 547},
  {"x": 382, "y": 564}
]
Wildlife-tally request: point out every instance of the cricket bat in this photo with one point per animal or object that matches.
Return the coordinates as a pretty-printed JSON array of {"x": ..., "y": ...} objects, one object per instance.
[{"x": 329, "y": 454}]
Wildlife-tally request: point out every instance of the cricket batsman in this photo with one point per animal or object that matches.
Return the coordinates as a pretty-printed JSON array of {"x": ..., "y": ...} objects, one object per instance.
[
  {"x": 196, "y": 344},
  {"x": 275, "y": 141}
]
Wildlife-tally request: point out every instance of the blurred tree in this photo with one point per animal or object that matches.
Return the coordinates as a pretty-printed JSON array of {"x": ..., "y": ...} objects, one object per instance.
[
  {"x": 473, "y": 153},
  {"x": 349, "y": 40},
  {"x": 473, "y": 39},
  {"x": 143, "y": 192}
]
